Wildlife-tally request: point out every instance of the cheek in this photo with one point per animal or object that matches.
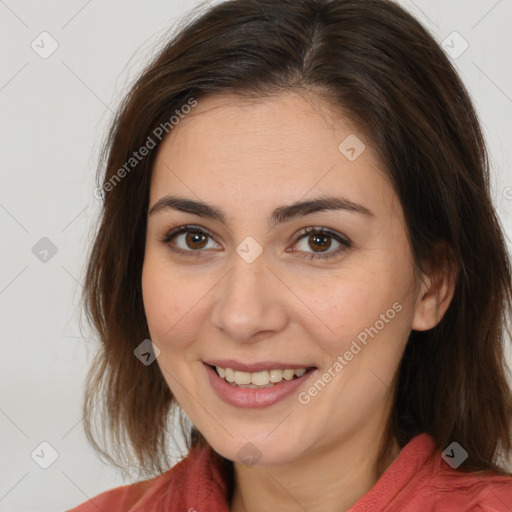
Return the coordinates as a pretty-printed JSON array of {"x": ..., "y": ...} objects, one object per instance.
[
  {"x": 368, "y": 321},
  {"x": 360, "y": 305},
  {"x": 172, "y": 303},
  {"x": 159, "y": 309}
]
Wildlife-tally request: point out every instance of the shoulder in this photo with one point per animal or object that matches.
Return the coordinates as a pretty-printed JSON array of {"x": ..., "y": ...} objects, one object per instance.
[
  {"x": 449, "y": 488},
  {"x": 475, "y": 492},
  {"x": 120, "y": 498},
  {"x": 421, "y": 480},
  {"x": 145, "y": 494},
  {"x": 124, "y": 497},
  {"x": 199, "y": 481}
]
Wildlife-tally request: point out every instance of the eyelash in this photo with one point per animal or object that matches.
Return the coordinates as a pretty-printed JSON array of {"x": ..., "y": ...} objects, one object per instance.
[{"x": 303, "y": 233}]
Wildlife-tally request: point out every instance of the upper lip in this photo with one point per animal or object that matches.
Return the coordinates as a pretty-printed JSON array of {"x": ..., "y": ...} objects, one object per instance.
[{"x": 256, "y": 366}]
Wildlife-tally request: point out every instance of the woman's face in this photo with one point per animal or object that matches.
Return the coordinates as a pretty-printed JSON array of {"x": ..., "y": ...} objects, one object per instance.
[{"x": 250, "y": 290}]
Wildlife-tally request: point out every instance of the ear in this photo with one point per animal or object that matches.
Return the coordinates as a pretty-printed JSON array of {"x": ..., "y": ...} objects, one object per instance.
[{"x": 434, "y": 296}]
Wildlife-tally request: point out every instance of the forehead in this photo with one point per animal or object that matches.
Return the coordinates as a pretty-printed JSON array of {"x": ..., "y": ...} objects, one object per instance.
[
  {"x": 280, "y": 127},
  {"x": 271, "y": 149}
]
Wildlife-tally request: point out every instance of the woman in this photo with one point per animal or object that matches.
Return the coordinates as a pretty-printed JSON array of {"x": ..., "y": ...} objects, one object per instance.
[{"x": 298, "y": 248}]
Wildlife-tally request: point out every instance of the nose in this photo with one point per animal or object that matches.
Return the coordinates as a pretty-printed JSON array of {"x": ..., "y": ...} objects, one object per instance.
[{"x": 250, "y": 303}]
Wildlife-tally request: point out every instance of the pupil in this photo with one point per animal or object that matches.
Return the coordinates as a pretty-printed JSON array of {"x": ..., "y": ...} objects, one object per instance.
[
  {"x": 323, "y": 245},
  {"x": 194, "y": 239}
]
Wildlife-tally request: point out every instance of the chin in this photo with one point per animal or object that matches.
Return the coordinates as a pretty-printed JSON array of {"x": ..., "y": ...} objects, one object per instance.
[{"x": 256, "y": 446}]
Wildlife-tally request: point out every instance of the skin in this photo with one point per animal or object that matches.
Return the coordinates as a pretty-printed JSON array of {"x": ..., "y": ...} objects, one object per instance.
[{"x": 247, "y": 157}]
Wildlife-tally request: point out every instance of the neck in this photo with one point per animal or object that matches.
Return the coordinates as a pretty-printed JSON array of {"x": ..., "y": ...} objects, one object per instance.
[{"x": 330, "y": 478}]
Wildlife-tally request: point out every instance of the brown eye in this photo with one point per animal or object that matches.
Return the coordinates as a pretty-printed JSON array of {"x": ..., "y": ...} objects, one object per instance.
[
  {"x": 320, "y": 242},
  {"x": 188, "y": 240},
  {"x": 316, "y": 241},
  {"x": 195, "y": 240}
]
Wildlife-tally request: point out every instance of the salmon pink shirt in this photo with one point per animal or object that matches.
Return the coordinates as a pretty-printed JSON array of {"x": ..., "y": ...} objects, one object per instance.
[{"x": 419, "y": 480}]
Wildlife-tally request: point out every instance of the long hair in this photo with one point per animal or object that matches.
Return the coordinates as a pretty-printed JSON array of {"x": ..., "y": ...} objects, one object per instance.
[{"x": 378, "y": 64}]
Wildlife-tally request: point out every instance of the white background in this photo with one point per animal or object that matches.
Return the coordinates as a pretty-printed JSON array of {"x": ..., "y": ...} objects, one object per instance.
[{"x": 54, "y": 113}]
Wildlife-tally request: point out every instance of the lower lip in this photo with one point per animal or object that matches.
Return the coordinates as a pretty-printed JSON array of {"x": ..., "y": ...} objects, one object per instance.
[{"x": 253, "y": 398}]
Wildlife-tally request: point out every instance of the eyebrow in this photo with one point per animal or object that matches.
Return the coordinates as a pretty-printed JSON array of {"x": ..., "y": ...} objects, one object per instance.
[{"x": 279, "y": 215}]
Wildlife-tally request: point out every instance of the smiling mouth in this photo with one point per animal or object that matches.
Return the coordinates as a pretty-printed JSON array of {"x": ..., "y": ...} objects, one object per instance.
[{"x": 261, "y": 379}]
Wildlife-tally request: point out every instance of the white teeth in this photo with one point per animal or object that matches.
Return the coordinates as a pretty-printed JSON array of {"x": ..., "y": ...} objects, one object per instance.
[
  {"x": 242, "y": 377},
  {"x": 259, "y": 378},
  {"x": 276, "y": 375},
  {"x": 288, "y": 374},
  {"x": 263, "y": 378}
]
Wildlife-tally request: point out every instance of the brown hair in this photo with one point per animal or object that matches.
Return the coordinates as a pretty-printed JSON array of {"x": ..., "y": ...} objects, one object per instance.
[{"x": 376, "y": 62}]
